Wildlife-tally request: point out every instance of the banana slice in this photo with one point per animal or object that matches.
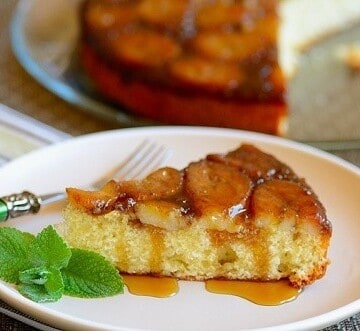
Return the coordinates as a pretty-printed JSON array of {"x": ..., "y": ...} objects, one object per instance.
[
  {"x": 144, "y": 49},
  {"x": 279, "y": 200},
  {"x": 93, "y": 202},
  {"x": 162, "y": 13},
  {"x": 164, "y": 183},
  {"x": 258, "y": 165},
  {"x": 266, "y": 28},
  {"x": 102, "y": 16},
  {"x": 216, "y": 188},
  {"x": 209, "y": 75},
  {"x": 220, "y": 14},
  {"x": 163, "y": 214},
  {"x": 228, "y": 46}
]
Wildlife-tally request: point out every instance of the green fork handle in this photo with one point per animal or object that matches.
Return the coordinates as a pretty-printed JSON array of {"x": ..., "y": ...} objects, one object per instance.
[{"x": 19, "y": 204}]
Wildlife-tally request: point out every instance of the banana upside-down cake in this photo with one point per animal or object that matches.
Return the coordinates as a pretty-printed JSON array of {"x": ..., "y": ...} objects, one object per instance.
[
  {"x": 205, "y": 62},
  {"x": 242, "y": 215},
  {"x": 188, "y": 62}
]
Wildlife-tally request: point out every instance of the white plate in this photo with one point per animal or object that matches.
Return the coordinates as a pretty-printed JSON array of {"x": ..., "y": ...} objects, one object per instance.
[
  {"x": 77, "y": 161},
  {"x": 45, "y": 35}
]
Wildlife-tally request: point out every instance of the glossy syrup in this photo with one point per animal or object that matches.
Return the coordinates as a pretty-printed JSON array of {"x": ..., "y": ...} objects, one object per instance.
[
  {"x": 151, "y": 286},
  {"x": 262, "y": 293}
]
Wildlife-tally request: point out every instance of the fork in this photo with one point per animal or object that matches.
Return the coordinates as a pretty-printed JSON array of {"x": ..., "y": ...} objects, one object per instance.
[{"x": 146, "y": 157}]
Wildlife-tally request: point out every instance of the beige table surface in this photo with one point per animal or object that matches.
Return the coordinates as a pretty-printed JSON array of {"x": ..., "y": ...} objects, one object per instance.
[{"x": 20, "y": 91}]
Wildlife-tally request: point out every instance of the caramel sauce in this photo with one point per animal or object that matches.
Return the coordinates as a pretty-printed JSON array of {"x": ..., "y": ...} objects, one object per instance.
[
  {"x": 157, "y": 241},
  {"x": 262, "y": 293},
  {"x": 159, "y": 287}
]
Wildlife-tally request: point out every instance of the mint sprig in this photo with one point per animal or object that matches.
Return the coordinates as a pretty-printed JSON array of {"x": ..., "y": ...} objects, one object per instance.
[{"x": 45, "y": 267}]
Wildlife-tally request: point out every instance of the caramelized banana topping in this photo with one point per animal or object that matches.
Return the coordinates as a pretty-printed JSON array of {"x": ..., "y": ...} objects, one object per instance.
[{"x": 221, "y": 192}]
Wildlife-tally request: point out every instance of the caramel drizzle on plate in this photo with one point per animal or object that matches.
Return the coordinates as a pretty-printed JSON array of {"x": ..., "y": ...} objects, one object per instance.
[{"x": 261, "y": 293}]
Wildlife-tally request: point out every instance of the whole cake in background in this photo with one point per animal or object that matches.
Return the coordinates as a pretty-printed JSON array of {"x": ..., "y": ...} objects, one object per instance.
[{"x": 204, "y": 62}]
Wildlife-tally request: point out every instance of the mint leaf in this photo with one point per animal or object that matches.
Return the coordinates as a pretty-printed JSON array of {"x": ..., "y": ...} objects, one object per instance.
[
  {"x": 41, "y": 284},
  {"x": 37, "y": 275},
  {"x": 90, "y": 275},
  {"x": 14, "y": 253},
  {"x": 50, "y": 249}
]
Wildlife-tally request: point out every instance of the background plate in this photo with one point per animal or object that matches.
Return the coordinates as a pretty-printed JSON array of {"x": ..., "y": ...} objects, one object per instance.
[
  {"x": 329, "y": 300},
  {"x": 324, "y": 96}
]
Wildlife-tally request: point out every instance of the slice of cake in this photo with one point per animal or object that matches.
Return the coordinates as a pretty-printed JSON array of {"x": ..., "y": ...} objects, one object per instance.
[{"x": 241, "y": 215}]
